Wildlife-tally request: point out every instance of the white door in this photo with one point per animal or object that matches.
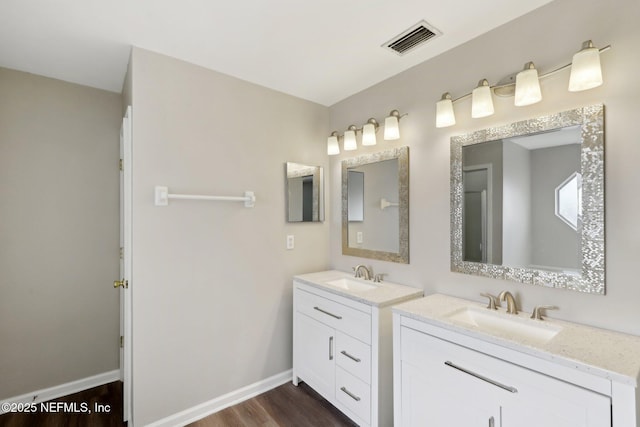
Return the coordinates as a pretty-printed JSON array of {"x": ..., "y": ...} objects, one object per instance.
[{"x": 125, "y": 263}]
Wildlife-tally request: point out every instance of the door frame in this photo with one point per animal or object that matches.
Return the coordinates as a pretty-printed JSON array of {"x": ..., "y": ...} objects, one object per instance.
[
  {"x": 126, "y": 189},
  {"x": 488, "y": 220}
]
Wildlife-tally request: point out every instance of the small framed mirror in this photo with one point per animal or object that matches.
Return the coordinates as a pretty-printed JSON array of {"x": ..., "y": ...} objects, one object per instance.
[
  {"x": 375, "y": 205},
  {"x": 527, "y": 201},
  {"x": 305, "y": 193}
]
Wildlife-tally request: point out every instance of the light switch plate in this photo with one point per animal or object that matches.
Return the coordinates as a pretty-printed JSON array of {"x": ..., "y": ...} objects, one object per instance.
[{"x": 290, "y": 242}]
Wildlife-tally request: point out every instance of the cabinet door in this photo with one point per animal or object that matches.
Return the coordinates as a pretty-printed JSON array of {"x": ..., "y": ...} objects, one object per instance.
[
  {"x": 430, "y": 399},
  {"x": 545, "y": 401},
  {"x": 314, "y": 344}
]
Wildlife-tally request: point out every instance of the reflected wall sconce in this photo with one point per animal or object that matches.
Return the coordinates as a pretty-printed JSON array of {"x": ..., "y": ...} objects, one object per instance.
[
  {"x": 586, "y": 73},
  {"x": 369, "y": 130}
]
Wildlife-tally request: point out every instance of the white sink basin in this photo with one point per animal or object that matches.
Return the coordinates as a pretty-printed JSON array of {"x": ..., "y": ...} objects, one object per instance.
[
  {"x": 352, "y": 284},
  {"x": 502, "y": 324}
]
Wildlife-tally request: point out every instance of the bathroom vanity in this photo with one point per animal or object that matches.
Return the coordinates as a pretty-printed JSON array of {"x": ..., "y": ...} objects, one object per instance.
[
  {"x": 342, "y": 342},
  {"x": 459, "y": 363}
]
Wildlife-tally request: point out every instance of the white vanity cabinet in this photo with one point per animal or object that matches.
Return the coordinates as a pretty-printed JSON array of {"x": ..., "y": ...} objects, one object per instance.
[
  {"x": 443, "y": 383},
  {"x": 445, "y": 375},
  {"x": 342, "y": 345}
]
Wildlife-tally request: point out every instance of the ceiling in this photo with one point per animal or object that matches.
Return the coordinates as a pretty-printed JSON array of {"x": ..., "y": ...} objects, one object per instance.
[{"x": 322, "y": 51}]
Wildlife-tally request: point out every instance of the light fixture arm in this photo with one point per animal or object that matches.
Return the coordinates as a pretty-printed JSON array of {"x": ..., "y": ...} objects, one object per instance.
[{"x": 396, "y": 113}]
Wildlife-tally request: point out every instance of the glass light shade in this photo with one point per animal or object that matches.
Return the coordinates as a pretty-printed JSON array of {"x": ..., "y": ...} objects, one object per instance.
[
  {"x": 481, "y": 101},
  {"x": 350, "y": 140},
  {"x": 391, "y": 128},
  {"x": 332, "y": 146},
  {"x": 586, "y": 72},
  {"x": 369, "y": 134},
  {"x": 444, "y": 112},
  {"x": 527, "y": 86}
]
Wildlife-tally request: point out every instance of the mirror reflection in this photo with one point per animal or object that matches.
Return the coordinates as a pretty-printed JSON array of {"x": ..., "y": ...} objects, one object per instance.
[
  {"x": 375, "y": 203},
  {"x": 527, "y": 201},
  {"x": 521, "y": 201},
  {"x": 304, "y": 193}
]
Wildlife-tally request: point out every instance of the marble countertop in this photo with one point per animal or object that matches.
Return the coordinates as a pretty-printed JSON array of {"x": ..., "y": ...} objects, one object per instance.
[
  {"x": 612, "y": 355},
  {"x": 384, "y": 293}
]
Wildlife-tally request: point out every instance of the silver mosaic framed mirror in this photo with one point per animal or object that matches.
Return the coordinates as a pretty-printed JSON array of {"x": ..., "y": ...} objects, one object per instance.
[{"x": 527, "y": 201}]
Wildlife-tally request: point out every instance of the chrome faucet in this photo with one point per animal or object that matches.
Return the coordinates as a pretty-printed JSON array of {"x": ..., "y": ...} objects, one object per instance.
[
  {"x": 511, "y": 302},
  {"x": 362, "y": 271}
]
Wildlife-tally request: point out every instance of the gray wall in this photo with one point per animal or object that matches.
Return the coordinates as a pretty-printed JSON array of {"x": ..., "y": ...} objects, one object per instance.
[
  {"x": 516, "y": 210},
  {"x": 59, "y": 198},
  {"x": 212, "y": 282},
  {"x": 380, "y": 230},
  {"x": 555, "y": 244},
  {"x": 566, "y": 24}
]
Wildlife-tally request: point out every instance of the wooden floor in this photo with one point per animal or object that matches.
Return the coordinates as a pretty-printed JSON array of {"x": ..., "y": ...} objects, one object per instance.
[
  {"x": 284, "y": 406},
  {"x": 108, "y": 394}
]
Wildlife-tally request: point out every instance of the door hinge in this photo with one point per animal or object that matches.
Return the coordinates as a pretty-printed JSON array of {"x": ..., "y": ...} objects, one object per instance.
[
  {"x": 121, "y": 165},
  {"x": 121, "y": 253},
  {"x": 121, "y": 341}
]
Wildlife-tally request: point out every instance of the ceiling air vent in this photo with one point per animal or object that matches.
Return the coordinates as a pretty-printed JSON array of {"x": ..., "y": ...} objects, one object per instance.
[{"x": 412, "y": 38}]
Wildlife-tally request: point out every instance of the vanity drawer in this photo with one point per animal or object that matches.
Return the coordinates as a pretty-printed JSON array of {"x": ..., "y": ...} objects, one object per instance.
[
  {"x": 353, "y": 393},
  {"x": 354, "y": 356},
  {"x": 338, "y": 316}
]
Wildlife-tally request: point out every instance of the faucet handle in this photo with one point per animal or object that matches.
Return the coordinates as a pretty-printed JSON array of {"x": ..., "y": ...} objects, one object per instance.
[
  {"x": 493, "y": 301},
  {"x": 378, "y": 277},
  {"x": 537, "y": 311}
]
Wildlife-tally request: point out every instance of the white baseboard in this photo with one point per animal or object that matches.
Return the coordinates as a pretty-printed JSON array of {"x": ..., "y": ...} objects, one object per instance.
[
  {"x": 64, "y": 389},
  {"x": 219, "y": 403}
]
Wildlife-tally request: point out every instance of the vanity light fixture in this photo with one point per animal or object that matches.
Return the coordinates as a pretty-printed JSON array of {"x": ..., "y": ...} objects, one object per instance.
[
  {"x": 391, "y": 125},
  {"x": 527, "y": 86},
  {"x": 586, "y": 73},
  {"x": 481, "y": 100},
  {"x": 369, "y": 132},
  {"x": 444, "y": 112},
  {"x": 349, "y": 142},
  {"x": 333, "y": 147}
]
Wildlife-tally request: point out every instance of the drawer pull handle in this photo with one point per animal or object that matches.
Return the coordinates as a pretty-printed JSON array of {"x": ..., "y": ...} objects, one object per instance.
[
  {"x": 355, "y": 359},
  {"x": 327, "y": 313},
  {"x": 351, "y": 395},
  {"x": 481, "y": 377},
  {"x": 330, "y": 348}
]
